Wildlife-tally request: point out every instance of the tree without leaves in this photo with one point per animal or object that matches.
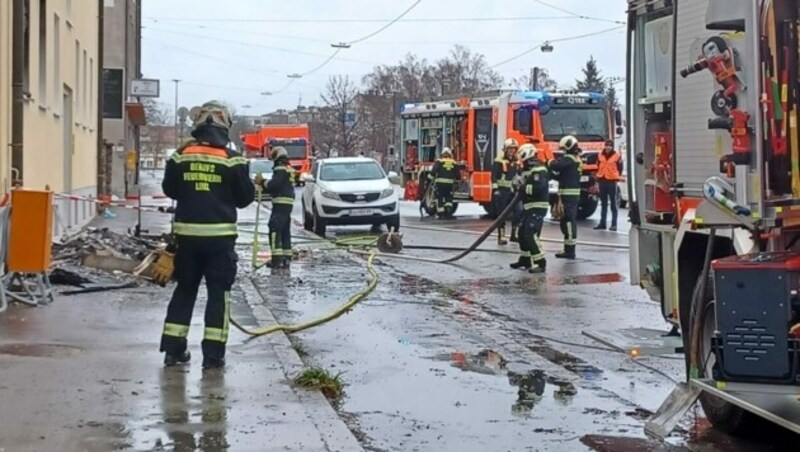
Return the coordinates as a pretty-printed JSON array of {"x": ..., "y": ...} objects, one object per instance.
[
  {"x": 341, "y": 99},
  {"x": 465, "y": 73},
  {"x": 545, "y": 83}
]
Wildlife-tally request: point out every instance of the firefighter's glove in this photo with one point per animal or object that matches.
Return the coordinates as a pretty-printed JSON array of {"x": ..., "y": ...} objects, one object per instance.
[
  {"x": 517, "y": 182},
  {"x": 163, "y": 268},
  {"x": 259, "y": 181}
]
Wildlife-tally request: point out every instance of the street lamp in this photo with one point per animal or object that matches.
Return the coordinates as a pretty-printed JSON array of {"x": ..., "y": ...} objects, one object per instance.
[
  {"x": 547, "y": 47},
  {"x": 340, "y": 45},
  {"x": 294, "y": 76}
]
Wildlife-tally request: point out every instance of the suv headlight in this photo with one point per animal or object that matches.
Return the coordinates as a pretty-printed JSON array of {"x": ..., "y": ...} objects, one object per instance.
[
  {"x": 330, "y": 195},
  {"x": 387, "y": 192}
]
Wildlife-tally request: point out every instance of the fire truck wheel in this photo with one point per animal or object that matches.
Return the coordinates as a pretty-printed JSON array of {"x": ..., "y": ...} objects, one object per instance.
[
  {"x": 490, "y": 210},
  {"x": 587, "y": 207}
]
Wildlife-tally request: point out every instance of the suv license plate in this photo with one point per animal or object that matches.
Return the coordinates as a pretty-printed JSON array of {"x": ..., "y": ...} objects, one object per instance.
[{"x": 361, "y": 212}]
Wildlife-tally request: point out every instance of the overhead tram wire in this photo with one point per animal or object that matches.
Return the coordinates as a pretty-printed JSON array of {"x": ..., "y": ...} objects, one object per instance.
[
  {"x": 568, "y": 38},
  {"x": 313, "y": 21},
  {"x": 578, "y": 15},
  {"x": 392, "y": 22}
]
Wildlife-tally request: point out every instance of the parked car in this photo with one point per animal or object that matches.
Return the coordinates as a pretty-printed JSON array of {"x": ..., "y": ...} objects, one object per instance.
[{"x": 349, "y": 191}]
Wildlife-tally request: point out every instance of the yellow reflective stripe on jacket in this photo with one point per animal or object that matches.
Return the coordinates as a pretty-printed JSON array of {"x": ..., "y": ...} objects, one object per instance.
[
  {"x": 569, "y": 191},
  {"x": 176, "y": 330},
  {"x": 206, "y": 230},
  {"x": 283, "y": 200},
  {"x": 441, "y": 180},
  {"x": 536, "y": 205},
  {"x": 503, "y": 183},
  {"x": 231, "y": 161}
]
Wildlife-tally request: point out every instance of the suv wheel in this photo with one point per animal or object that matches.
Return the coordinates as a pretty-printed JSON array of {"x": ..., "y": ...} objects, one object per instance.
[
  {"x": 393, "y": 222},
  {"x": 308, "y": 220},
  {"x": 318, "y": 223}
]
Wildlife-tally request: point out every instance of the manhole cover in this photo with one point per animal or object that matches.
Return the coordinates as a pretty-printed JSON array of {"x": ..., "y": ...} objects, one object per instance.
[{"x": 39, "y": 350}]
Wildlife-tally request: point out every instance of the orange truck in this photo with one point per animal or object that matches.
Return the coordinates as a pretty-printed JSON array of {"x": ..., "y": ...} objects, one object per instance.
[
  {"x": 475, "y": 128},
  {"x": 295, "y": 138}
]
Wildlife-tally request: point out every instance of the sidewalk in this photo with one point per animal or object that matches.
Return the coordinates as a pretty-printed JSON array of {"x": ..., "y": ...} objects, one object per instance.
[{"x": 84, "y": 373}]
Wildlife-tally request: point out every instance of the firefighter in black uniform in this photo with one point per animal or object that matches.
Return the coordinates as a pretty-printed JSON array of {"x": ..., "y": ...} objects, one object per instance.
[
  {"x": 535, "y": 204},
  {"x": 444, "y": 175},
  {"x": 281, "y": 188},
  {"x": 209, "y": 182},
  {"x": 567, "y": 170},
  {"x": 503, "y": 173}
]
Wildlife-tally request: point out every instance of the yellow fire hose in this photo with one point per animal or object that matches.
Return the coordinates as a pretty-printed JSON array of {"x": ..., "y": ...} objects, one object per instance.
[{"x": 354, "y": 300}]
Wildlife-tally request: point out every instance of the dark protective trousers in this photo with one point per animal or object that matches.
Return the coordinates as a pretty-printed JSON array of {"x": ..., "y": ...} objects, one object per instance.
[
  {"x": 608, "y": 194},
  {"x": 569, "y": 222},
  {"x": 280, "y": 233},
  {"x": 501, "y": 202},
  {"x": 444, "y": 198},
  {"x": 530, "y": 229},
  {"x": 196, "y": 258}
]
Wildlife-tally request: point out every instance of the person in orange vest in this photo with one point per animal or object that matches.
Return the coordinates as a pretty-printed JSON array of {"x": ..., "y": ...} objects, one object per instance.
[{"x": 608, "y": 175}]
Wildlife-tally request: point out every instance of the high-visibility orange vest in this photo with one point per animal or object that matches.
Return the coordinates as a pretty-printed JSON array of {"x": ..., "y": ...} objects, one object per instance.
[{"x": 608, "y": 167}]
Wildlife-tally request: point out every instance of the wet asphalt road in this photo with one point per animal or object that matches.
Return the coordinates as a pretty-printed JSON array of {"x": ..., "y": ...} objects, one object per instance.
[{"x": 476, "y": 356}]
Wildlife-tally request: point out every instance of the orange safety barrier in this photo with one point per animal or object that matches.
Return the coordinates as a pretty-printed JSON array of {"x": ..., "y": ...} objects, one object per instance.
[
  {"x": 411, "y": 191},
  {"x": 30, "y": 235}
]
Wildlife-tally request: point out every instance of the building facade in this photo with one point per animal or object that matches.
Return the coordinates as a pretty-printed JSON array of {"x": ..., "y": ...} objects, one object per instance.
[
  {"x": 121, "y": 65},
  {"x": 60, "y": 112}
]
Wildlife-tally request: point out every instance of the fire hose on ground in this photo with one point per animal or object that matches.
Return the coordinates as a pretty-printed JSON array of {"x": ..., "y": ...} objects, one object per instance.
[{"x": 390, "y": 239}]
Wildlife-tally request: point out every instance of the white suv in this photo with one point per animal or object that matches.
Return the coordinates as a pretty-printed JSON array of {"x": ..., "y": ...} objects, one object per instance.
[{"x": 349, "y": 191}]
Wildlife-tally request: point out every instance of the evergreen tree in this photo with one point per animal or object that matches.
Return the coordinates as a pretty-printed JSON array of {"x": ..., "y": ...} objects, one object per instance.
[
  {"x": 611, "y": 96},
  {"x": 592, "y": 79}
]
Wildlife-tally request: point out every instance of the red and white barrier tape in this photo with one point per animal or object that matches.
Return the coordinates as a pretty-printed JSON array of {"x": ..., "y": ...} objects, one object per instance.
[{"x": 115, "y": 204}]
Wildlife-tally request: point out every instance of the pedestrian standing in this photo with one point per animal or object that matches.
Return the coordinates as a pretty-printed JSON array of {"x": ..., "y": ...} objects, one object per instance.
[
  {"x": 281, "y": 188},
  {"x": 503, "y": 174},
  {"x": 608, "y": 176},
  {"x": 209, "y": 181},
  {"x": 535, "y": 192}
]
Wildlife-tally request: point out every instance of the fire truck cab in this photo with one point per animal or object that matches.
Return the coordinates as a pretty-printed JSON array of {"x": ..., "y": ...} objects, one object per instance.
[{"x": 475, "y": 128}]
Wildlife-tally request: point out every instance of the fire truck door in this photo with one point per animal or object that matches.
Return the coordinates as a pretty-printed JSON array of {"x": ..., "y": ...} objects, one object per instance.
[{"x": 485, "y": 140}]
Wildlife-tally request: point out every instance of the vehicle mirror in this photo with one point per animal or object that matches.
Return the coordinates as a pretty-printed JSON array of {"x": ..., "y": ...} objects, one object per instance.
[
  {"x": 392, "y": 174},
  {"x": 544, "y": 109},
  {"x": 618, "y": 117},
  {"x": 524, "y": 120},
  {"x": 310, "y": 178}
]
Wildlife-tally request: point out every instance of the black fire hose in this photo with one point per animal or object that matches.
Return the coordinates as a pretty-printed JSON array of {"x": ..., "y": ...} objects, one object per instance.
[
  {"x": 697, "y": 312},
  {"x": 500, "y": 219}
]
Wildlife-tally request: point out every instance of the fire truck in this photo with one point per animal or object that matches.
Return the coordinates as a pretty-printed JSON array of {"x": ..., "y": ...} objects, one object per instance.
[
  {"x": 714, "y": 188},
  {"x": 295, "y": 138},
  {"x": 475, "y": 129}
]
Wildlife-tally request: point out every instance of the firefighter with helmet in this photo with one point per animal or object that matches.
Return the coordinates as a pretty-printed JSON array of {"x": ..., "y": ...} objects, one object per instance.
[
  {"x": 567, "y": 171},
  {"x": 209, "y": 181},
  {"x": 444, "y": 176},
  {"x": 503, "y": 173},
  {"x": 281, "y": 188},
  {"x": 535, "y": 192}
]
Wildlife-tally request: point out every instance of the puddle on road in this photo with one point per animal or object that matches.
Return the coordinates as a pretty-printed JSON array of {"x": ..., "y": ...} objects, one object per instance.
[
  {"x": 40, "y": 350},
  {"x": 567, "y": 361},
  {"x": 600, "y": 278},
  {"x": 487, "y": 362}
]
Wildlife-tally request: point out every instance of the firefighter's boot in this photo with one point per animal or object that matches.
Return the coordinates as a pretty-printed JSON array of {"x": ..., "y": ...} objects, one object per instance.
[
  {"x": 173, "y": 360},
  {"x": 538, "y": 266},
  {"x": 501, "y": 236},
  {"x": 513, "y": 236},
  {"x": 213, "y": 363},
  {"x": 568, "y": 253},
  {"x": 276, "y": 262},
  {"x": 523, "y": 262}
]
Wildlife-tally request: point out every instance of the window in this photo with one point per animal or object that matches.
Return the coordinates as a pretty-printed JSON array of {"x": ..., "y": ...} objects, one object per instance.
[
  {"x": 586, "y": 124},
  {"x": 56, "y": 60},
  {"x": 351, "y": 171},
  {"x": 76, "y": 82},
  {"x": 84, "y": 87},
  {"x": 42, "y": 52},
  {"x": 92, "y": 89}
]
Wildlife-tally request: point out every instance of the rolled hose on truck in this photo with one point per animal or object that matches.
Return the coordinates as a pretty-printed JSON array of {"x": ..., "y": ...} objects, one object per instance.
[{"x": 373, "y": 283}]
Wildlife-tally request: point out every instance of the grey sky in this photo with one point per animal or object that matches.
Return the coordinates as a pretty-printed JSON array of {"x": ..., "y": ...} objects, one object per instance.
[{"x": 235, "y": 49}]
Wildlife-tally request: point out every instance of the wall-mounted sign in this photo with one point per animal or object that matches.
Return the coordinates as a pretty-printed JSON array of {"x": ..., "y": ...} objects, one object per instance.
[{"x": 144, "y": 87}]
